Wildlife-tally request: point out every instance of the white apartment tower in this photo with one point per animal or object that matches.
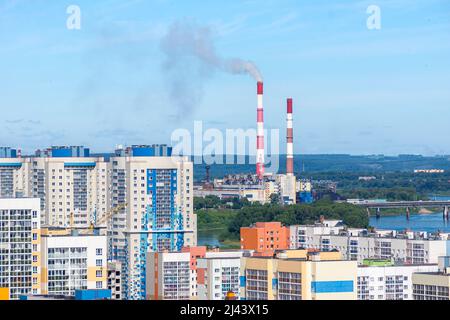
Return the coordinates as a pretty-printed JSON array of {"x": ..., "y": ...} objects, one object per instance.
[
  {"x": 69, "y": 182},
  {"x": 158, "y": 191}
]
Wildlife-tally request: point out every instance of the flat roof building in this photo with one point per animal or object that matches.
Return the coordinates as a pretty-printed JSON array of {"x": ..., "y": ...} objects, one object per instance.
[
  {"x": 218, "y": 275},
  {"x": 384, "y": 280},
  {"x": 265, "y": 237},
  {"x": 433, "y": 285},
  {"x": 72, "y": 263},
  {"x": 310, "y": 278},
  {"x": 173, "y": 275},
  {"x": 406, "y": 247}
]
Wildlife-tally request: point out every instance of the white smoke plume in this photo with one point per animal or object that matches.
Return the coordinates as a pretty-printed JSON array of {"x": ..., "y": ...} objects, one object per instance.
[
  {"x": 239, "y": 66},
  {"x": 191, "y": 57}
]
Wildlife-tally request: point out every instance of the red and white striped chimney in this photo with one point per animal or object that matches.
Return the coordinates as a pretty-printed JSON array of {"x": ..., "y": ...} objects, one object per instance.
[
  {"x": 289, "y": 140},
  {"x": 260, "y": 132}
]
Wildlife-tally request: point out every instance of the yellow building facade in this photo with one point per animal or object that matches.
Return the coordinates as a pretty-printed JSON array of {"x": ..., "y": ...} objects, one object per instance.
[{"x": 298, "y": 275}]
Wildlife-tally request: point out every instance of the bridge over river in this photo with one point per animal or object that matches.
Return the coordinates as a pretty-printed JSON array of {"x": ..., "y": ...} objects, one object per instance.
[{"x": 378, "y": 205}]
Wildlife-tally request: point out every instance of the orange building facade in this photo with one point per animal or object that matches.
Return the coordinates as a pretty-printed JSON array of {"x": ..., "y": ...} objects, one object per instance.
[{"x": 265, "y": 238}]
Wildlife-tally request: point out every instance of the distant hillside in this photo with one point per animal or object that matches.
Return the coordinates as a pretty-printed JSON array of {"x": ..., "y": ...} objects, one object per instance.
[
  {"x": 337, "y": 163},
  {"x": 331, "y": 163}
]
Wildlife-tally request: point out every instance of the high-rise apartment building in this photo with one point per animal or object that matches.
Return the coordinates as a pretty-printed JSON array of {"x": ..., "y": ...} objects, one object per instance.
[
  {"x": 72, "y": 185},
  {"x": 76, "y": 189},
  {"x": 72, "y": 262},
  {"x": 158, "y": 191},
  {"x": 69, "y": 181},
  {"x": 12, "y": 179},
  {"x": 20, "y": 258}
]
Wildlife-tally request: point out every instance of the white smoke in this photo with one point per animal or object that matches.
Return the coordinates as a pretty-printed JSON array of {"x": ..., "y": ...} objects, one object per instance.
[
  {"x": 191, "y": 57},
  {"x": 239, "y": 66}
]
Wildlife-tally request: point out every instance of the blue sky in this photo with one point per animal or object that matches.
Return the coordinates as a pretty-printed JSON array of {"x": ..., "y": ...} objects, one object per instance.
[{"x": 355, "y": 90}]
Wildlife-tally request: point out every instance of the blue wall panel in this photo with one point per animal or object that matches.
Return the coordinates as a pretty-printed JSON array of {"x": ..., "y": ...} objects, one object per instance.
[
  {"x": 11, "y": 165},
  {"x": 242, "y": 281},
  {"x": 331, "y": 286}
]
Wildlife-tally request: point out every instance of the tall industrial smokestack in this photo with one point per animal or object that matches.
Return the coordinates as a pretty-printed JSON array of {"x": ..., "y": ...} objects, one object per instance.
[
  {"x": 260, "y": 132},
  {"x": 289, "y": 140}
]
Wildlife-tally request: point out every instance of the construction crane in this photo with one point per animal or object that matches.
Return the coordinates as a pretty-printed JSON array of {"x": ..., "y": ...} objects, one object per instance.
[
  {"x": 72, "y": 221},
  {"x": 108, "y": 215}
]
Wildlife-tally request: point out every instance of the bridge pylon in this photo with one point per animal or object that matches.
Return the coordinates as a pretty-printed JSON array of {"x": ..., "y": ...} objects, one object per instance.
[
  {"x": 445, "y": 213},
  {"x": 408, "y": 213}
]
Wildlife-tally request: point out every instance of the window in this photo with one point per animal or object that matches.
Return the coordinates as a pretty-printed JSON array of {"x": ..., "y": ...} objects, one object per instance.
[
  {"x": 98, "y": 285},
  {"x": 99, "y": 251},
  {"x": 99, "y": 262},
  {"x": 98, "y": 273}
]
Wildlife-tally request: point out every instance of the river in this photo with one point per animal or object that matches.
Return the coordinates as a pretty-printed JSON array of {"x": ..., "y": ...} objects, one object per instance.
[
  {"x": 208, "y": 238},
  {"x": 431, "y": 222},
  {"x": 417, "y": 222}
]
